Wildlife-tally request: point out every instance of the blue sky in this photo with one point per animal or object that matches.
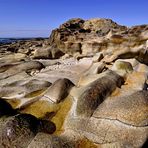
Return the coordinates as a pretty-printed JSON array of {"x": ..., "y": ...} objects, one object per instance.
[{"x": 35, "y": 18}]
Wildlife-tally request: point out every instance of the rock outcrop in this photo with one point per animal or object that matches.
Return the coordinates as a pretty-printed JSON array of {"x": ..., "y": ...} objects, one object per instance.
[
  {"x": 96, "y": 35},
  {"x": 84, "y": 87}
]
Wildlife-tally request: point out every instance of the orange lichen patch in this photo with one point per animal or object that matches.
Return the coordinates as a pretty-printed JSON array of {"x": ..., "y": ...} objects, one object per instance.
[
  {"x": 34, "y": 93},
  {"x": 60, "y": 116},
  {"x": 85, "y": 143},
  {"x": 134, "y": 80},
  {"x": 40, "y": 108},
  {"x": 140, "y": 115},
  {"x": 115, "y": 93},
  {"x": 14, "y": 102}
]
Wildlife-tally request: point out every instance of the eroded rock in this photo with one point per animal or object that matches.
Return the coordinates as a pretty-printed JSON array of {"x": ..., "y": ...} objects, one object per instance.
[
  {"x": 96, "y": 93},
  {"x": 85, "y": 86},
  {"x": 59, "y": 90},
  {"x": 19, "y": 130}
]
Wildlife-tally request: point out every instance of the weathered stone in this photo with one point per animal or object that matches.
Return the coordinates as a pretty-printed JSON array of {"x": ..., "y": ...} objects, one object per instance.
[
  {"x": 129, "y": 109},
  {"x": 95, "y": 35},
  {"x": 41, "y": 140},
  {"x": 96, "y": 93},
  {"x": 122, "y": 67},
  {"x": 42, "y": 53},
  {"x": 18, "y": 131},
  {"x": 107, "y": 107},
  {"x": 12, "y": 58},
  {"x": 26, "y": 66},
  {"x": 59, "y": 90}
]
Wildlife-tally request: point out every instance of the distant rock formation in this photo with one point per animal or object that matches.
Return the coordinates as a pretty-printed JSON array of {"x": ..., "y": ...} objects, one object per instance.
[{"x": 101, "y": 35}]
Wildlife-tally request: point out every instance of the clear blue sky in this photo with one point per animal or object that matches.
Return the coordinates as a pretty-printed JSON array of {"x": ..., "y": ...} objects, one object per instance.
[{"x": 28, "y": 18}]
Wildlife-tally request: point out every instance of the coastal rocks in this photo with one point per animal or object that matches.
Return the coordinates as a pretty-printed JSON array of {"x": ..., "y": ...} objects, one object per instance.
[
  {"x": 122, "y": 67},
  {"x": 25, "y": 46},
  {"x": 23, "y": 91},
  {"x": 97, "y": 35},
  {"x": 46, "y": 126},
  {"x": 44, "y": 53},
  {"x": 104, "y": 125},
  {"x": 107, "y": 131},
  {"x": 42, "y": 140},
  {"x": 96, "y": 93},
  {"x": 59, "y": 90},
  {"x": 47, "y": 53},
  {"x": 86, "y": 86},
  {"x": 136, "y": 114},
  {"x": 26, "y": 66},
  {"x": 72, "y": 35},
  {"x": 12, "y": 58},
  {"x": 102, "y": 26},
  {"x": 19, "y": 130},
  {"x": 69, "y": 68}
]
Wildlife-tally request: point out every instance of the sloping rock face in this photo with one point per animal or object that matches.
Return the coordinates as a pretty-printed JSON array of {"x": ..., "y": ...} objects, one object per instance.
[{"x": 84, "y": 87}]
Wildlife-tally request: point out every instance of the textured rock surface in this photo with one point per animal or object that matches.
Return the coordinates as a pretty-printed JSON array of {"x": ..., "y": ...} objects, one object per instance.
[
  {"x": 97, "y": 35},
  {"x": 84, "y": 87}
]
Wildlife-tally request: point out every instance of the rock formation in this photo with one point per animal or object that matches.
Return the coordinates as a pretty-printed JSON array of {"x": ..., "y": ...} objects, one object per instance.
[
  {"x": 101, "y": 35},
  {"x": 86, "y": 86}
]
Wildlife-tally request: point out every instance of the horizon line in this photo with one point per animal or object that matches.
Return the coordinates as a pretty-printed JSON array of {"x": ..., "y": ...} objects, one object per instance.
[{"x": 18, "y": 30}]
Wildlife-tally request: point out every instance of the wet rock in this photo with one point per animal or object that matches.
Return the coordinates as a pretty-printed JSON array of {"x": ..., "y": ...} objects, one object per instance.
[
  {"x": 24, "y": 92},
  {"x": 45, "y": 140},
  {"x": 17, "y": 77}
]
